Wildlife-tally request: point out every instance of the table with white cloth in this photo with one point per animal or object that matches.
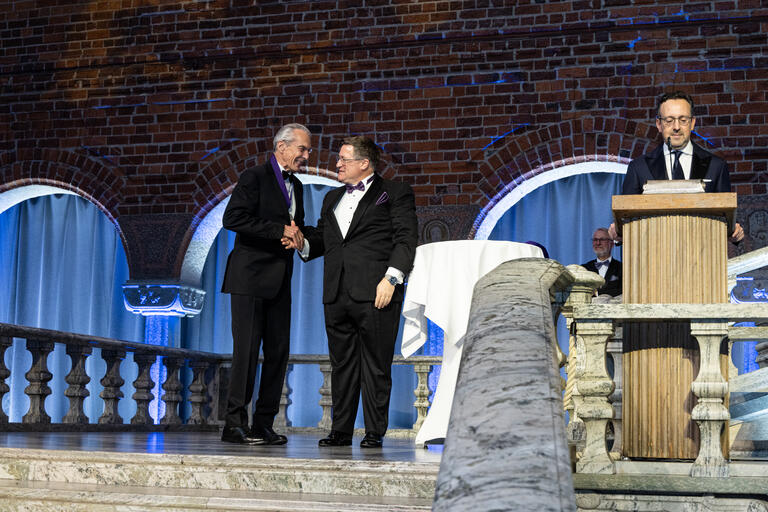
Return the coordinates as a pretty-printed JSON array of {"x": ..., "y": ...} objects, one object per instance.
[{"x": 440, "y": 289}]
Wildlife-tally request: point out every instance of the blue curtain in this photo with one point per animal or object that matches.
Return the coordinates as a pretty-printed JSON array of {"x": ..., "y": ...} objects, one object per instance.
[
  {"x": 61, "y": 267},
  {"x": 210, "y": 330},
  {"x": 562, "y": 215}
]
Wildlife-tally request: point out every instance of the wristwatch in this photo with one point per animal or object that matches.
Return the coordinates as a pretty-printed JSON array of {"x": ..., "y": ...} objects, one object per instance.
[{"x": 392, "y": 279}]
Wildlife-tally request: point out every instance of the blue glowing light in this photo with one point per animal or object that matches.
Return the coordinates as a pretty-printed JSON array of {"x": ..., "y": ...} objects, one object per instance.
[
  {"x": 705, "y": 139},
  {"x": 632, "y": 43},
  {"x": 505, "y": 134},
  {"x": 214, "y": 150}
]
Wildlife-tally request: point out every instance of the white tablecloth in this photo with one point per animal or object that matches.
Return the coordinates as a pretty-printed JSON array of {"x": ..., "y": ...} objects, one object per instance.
[{"x": 440, "y": 289}]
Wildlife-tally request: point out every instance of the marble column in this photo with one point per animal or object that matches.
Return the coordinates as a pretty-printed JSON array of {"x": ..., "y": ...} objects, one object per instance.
[{"x": 507, "y": 415}]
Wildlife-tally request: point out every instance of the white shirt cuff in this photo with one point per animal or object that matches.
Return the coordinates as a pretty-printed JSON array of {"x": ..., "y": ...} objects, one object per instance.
[
  {"x": 304, "y": 252},
  {"x": 392, "y": 271}
]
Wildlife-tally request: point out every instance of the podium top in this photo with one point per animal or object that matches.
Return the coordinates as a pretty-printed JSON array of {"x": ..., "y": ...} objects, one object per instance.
[{"x": 632, "y": 206}]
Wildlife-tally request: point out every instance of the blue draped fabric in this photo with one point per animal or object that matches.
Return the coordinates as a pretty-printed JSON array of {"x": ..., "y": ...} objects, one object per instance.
[
  {"x": 61, "y": 267},
  {"x": 562, "y": 215},
  {"x": 210, "y": 330}
]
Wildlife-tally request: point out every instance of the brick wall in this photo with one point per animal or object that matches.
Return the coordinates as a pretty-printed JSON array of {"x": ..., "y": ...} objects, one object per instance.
[{"x": 152, "y": 108}]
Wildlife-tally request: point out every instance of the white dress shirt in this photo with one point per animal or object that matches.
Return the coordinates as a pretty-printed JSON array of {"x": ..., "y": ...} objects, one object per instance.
[
  {"x": 686, "y": 158},
  {"x": 289, "y": 188},
  {"x": 344, "y": 211}
]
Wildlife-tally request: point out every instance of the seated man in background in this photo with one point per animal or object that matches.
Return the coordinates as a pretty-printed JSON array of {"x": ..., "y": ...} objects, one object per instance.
[{"x": 608, "y": 267}]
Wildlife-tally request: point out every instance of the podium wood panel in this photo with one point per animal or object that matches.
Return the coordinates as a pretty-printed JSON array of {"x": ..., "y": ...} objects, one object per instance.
[{"x": 675, "y": 251}]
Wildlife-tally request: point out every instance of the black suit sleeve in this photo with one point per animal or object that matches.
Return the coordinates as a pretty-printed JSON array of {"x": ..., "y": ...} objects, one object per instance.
[
  {"x": 722, "y": 182},
  {"x": 404, "y": 228},
  {"x": 632, "y": 184},
  {"x": 242, "y": 212}
]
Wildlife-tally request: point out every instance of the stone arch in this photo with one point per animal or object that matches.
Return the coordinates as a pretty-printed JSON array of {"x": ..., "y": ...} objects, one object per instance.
[
  {"x": 25, "y": 174},
  {"x": 564, "y": 148}
]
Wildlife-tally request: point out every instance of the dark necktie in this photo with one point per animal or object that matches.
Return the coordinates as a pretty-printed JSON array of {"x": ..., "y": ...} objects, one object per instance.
[
  {"x": 352, "y": 188},
  {"x": 677, "y": 169},
  {"x": 285, "y": 175}
]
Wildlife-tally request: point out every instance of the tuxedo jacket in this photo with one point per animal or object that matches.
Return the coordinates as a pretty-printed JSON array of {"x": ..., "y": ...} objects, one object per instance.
[
  {"x": 652, "y": 166},
  {"x": 612, "y": 278},
  {"x": 383, "y": 234},
  {"x": 259, "y": 265}
]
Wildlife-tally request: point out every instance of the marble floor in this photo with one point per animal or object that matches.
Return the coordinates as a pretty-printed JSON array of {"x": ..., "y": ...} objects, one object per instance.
[{"x": 300, "y": 446}]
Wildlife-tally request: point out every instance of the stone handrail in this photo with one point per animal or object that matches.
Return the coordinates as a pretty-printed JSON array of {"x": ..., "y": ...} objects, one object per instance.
[
  {"x": 595, "y": 325},
  {"x": 205, "y": 392},
  {"x": 506, "y": 447}
]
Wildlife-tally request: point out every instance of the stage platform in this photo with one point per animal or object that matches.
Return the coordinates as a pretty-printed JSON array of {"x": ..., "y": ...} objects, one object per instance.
[{"x": 196, "y": 471}]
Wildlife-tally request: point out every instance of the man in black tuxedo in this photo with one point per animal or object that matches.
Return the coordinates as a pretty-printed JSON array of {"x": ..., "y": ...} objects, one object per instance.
[
  {"x": 368, "y": 234},
  {"x": 266, "y": 206},
  {"x": 677, "y": 158},
  {"x": 605, "y": 265}
]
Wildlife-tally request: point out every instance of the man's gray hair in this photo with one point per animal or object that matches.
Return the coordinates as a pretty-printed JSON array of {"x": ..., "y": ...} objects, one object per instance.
[{"x": 285, "y": 134}]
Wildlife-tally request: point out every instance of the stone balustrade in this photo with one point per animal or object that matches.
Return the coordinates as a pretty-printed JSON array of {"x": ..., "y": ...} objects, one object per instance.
[
  {"x": 595, "y": 327},
  {"x": 204, "y": 391}
]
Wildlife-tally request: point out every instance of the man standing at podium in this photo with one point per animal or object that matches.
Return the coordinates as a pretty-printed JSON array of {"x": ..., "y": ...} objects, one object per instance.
[{"x": 677, "y": 157}]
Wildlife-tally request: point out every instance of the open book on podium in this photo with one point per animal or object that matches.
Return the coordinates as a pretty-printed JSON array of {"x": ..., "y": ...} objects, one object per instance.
[{"x": 675, "y": 251}]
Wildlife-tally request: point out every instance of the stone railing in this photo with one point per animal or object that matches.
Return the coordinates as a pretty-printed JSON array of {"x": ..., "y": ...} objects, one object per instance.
[
  {"x": 595, "y": 326},
  {"x": 205, "y": 391},
  {"x": 506, "y": 444}
]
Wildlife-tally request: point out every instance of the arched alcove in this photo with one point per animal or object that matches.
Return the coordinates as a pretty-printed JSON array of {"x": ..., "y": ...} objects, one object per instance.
[{"x": 62, "y": 262}]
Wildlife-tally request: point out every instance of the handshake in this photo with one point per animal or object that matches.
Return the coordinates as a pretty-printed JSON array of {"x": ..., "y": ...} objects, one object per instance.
[{"x": 292, "y": 238}]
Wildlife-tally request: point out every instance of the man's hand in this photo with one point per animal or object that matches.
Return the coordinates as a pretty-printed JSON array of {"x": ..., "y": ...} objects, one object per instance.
[
  {"x": 384, "y": 291},
  {"x": 614, "y": 236},
  {"x": 738, "y": 233},
  {"x": 293, "y": 238}
]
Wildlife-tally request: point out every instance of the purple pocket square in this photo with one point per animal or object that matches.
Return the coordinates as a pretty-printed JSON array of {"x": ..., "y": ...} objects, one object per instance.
[{"x": 383, "y": 198}]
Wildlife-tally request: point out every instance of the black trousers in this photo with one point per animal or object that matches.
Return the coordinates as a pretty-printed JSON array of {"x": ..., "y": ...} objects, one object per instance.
[
  {"x": 254, "y": 321},
  {"x": 361, "y": 344}
]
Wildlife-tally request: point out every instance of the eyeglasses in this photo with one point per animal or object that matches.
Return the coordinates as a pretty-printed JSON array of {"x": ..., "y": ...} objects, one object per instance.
[
  {"x": 345, "y": 161},
  {"x": 669, "y": 121},
  {"x": 600, "y": 240}
]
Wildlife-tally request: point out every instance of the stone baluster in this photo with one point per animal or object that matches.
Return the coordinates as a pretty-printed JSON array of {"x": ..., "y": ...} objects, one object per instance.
[
  {"x": 422, "y": 393},
  {"x": 326, "y": 402},
  {"x": 762, "y": 354},
  {"x": 710, "y": 387},
  {"x": 5, "y": 342},
  {"x": 38, "y": 377},
  {"x": 112, "y": 383},
  {"x": 78, "y": 379},
  {"x": 581, "y": 292},
  {"x": 281, "y": 419},
  {"x": 614, "y": 350},
  {"x": 594, "y": 386},
  {"x": 198, "y": 392},
  {"x": 143, "y": 386},
  {"x": 172, "y": 387}
]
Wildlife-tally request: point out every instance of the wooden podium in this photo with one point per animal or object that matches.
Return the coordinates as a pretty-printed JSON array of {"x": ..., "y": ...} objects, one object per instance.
[{"x": 675, "y": 251}]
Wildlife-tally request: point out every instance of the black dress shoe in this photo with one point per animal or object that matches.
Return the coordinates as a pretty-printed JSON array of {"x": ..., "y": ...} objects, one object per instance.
[
  {"x": 268, "y": 435},
  {"x": 336, "y": 438},
  {"x": 239, "y": 435},
  {"x": 371, "y": 440}
]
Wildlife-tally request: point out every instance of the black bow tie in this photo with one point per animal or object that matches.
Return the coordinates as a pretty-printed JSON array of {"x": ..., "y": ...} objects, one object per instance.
[
  {"x": 285, "y": 175},
  {"x": 603, "y": 263},
  {"x": 352, "y": 188}
]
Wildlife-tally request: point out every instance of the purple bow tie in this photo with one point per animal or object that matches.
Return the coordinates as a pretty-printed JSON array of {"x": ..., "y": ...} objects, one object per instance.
[{"x": 351, "y": 188}]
